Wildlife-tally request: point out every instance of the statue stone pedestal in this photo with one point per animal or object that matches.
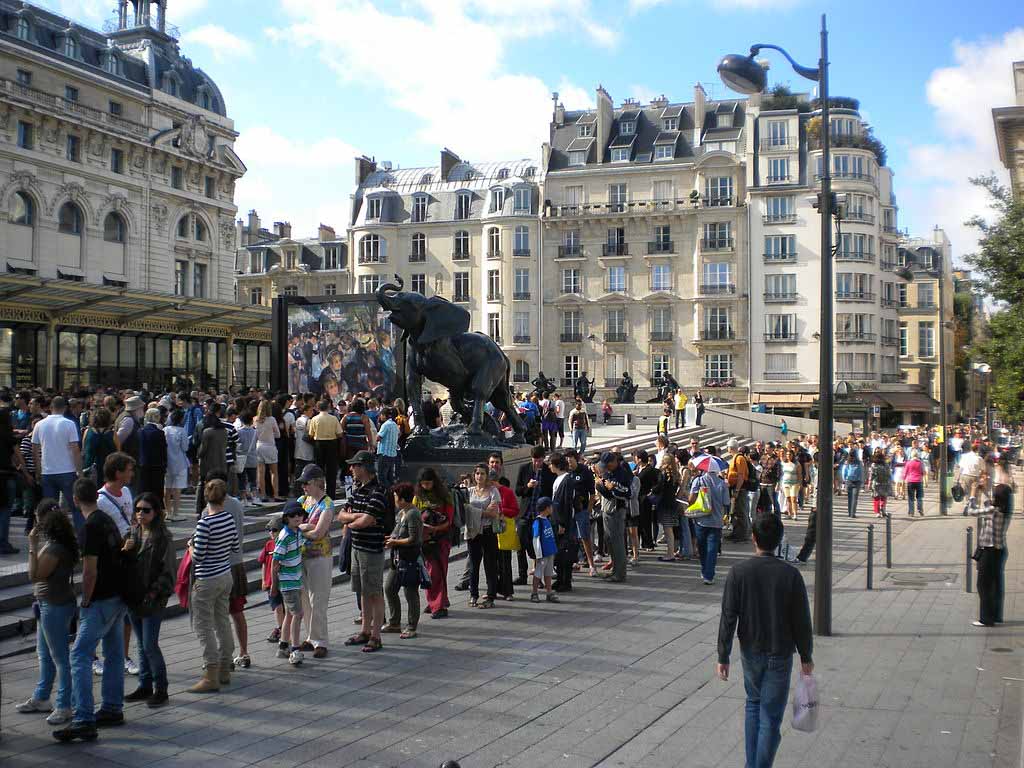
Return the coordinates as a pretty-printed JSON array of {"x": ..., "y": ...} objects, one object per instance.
[{"x": 452, "y": 452}]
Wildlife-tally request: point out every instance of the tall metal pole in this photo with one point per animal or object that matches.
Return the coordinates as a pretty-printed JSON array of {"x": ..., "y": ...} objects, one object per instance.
[
  {"x": 823, "y": 496},
  {"x": 944, "y": 418}
]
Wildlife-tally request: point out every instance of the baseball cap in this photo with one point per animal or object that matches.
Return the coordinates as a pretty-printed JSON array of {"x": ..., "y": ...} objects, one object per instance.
[
  {"x": 362, "y": 457},
  {"x": 311, "y": 472},
  {"x": 291, "y": 509},
  {"x": 543, "y": 503}
]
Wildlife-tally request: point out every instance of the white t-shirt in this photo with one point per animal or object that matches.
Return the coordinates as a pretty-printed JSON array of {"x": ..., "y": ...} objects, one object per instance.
[
  {"x": 971, "y": 464},
  {"x": 303, "y": 450},
  {"x": 54, "y": 435},
  {"x": 560, "y": 408},
  {"x": 120, "y": 509},
  {"x": 956, "y": 443}
]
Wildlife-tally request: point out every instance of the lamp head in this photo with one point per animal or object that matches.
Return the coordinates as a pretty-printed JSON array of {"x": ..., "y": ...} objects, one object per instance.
[{"x": 742, "y": 74}]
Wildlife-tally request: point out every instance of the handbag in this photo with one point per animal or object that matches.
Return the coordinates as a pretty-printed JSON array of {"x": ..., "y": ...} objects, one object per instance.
[
  {"x": 957, "y": 492},
  {"x": 701, "y": 507},
  {"x": 408, "y": 572},
  {"x": 508, "y": 539}
]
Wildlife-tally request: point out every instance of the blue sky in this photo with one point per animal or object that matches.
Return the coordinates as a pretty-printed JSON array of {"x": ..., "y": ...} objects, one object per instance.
[{"x": 311, "y": 83}]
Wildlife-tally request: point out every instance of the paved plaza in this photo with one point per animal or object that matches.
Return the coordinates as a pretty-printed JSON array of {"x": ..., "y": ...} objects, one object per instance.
[{"x": 615, "y": 675}]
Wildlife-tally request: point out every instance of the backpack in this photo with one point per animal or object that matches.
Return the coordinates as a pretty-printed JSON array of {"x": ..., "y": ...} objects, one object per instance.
[
  {"x": 634, "y": 497},
  {"x": 131, "y": 444},
  {"x": 550, "y": 413},
  {"x": 751, "y": 483}
]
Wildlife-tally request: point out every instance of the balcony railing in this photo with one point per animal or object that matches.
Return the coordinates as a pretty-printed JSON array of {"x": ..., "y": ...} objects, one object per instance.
[
  {"x": 854, "y": 175},
  {"x": 373, "y": 258},
  {"x": 460, "y": 297},
  {"x": 572, "y": 337},
  {"x": 892, "y": 378},
  {"x": 779, "y": 258},
  {"x": 520, "y": 252},
  {"x": 24, "y": 93},
  {"x": 778, "y": 179},
  {"x": 661, "y": 246},
  {"x": 718, "y": 289},
  {"x": 661, "y": 335},
  {"x": 460, "y": 255},
  {"x": 661, "y": 286},
  {"x": 780, "y": 298},
  {"x": 570, "y": 252},
  {"x": 521, "y": 339},
  {"x": 571, "y": 289},
  {"x": 495, "y": 339},
  {"x": 616, "y": 337},
  {"x": 779, "y": 144},
  {"x": 771, "y": 336},
  {"x": 718, "y": 381},
  {"x": 861, "y": 256},
  {"x": 609, "y": 288},
  {"x": 494, "y": 254},
  {"x": 854, "y": 336},
  {"x": 782, "y": 375},
  {"x": 931, "y": 306},
  {"x": 493, "y": 296},
  {"x": 855, "y": 296},
  {"x": 631, "y": 207},
  {"x": 890, "y": 229},
  {"x": 717, "y": 334},
  {"x": 890, "y": 341},
  {"x": 890, "y": 303},
  {"x": 615, "y": 249},
  {"x": 779, "y": 218},
  {"x": 867, "y": 218},
  {"x": 716, "y": 244},
  {"x": 417, "y": 258},
  {"x": 521, "y": 296},
  {"x": 887, "y": 265},
  {"x": 856, "y": 375},
  {"x": 717, "y": 201}
]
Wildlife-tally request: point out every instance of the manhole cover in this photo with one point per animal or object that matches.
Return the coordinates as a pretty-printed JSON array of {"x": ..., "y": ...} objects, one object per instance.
[{"x": 915, "y": 577}]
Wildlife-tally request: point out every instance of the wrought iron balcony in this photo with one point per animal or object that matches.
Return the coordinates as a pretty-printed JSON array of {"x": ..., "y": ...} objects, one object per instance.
[
  {"x": 782, "y": 375},
  {"x": 717, "y": 201},
  {"x": 888, "y": 303},
  {"x": 855, "y": 296},
  {"x": 854, "y": 336},
  {"x": 616, "y": 337},
  {"x": 718, "y": 289},
  {"x": 778, "y": 179},
  {"x": 614, "y": 288},
  {"x": 521, "y": 296},
  {"x": 661, "y": 286},
  {"x": 460, "y": 255},
  {"x": 578, "y": 290},
  {"x": 494, "y": 254},
  {"x": 718, "y": 381},
  {"x": 862, "y": 216},
  {"x": 890, "y": 341},
  {"x": 493, "y": 296},
  {"x": 779, "y": 258},
  {"x": 615, "y": 249},
  {"x": 572, "y": 337},
  {"x": 417, "y": 258},
  {"x": 780, "y": 297},
  {"x": 570, "y": 252},
  {"x": 661, "y": 335},
  {"x": 856, "y": 375},
  {"x": 861, "y": 256},
  {"x": 717, "y": 244},
  {"x": 460, "y": 297},
  {"x": 717, "y": 334},
  {"x": 521, "y": 339},
  {"x": 780, "y": 336},
  {"x": 629, "y": 208},
  {"x": 661, "y": 246},
  {"x": 373, "y": 258},
  {"x": 520, "y": 252},
  {"x": 15, "y": 91},
  {"x": 779, "y": 218},
  {"x": 778, "y": 144}
]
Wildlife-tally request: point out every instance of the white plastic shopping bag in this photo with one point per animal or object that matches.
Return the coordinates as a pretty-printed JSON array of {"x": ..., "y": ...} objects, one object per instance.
[{"x": 805, "y": 704}]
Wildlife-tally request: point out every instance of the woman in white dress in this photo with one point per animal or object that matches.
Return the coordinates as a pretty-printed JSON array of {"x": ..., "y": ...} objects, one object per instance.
[
  {"x": 178, "y": 464},
  {"x": 267, "y": 433}
]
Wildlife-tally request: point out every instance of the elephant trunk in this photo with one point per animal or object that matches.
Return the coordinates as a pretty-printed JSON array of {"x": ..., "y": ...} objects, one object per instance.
[{"x": 383, "y": 295}]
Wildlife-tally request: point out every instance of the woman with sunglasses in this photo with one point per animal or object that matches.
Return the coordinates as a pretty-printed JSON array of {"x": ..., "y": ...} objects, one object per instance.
[{"x": 153, "y": 546}]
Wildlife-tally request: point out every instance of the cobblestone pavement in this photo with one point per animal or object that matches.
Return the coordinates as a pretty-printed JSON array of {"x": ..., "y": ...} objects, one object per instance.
[{"x": 615, "y": 675}]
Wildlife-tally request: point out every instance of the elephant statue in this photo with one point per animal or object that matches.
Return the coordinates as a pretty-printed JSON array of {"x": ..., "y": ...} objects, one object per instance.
[{"x": 440, "y": 348}]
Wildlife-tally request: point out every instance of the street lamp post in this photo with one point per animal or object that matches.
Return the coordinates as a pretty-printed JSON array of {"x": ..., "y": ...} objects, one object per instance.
[{"x": 745, "y": 75}]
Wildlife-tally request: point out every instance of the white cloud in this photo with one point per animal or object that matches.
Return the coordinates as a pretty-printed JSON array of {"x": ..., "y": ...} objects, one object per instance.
[
  {"x": 304, "y": 183},
  {"x": 222, "y": 44},
  {"x": 962, "y": 97}
]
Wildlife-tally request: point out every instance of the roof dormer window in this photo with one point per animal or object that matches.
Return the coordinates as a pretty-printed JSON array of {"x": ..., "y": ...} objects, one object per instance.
[
  {"x": 725, "y": 120},
  {"x": 497, "y": 199},
  {"x": 427, "y": 178},
  {"x": 23, "y": 28},
  {"x": 578, "y": 157},
  {"x": 71, "y": 48},
  {"x": 529, "y": 172},
  {"x": 374, "y": 206},
  {"x": 503, "y": 173},
  {"x": 463, "y": 205},
  {"x": 584, "y": 130},
  {"x": 112, "y": 63},
  {"x": 171, "y": 83},
  {"x": 627, "y": 128},
  {"x": 671, "y": 124},
  {"x": 620, "y": 154}
]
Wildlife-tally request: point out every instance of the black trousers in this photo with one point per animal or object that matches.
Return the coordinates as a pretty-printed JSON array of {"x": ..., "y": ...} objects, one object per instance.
[
  {"x": 602, "y": 545},
  {"x": 647, "y": 525},
  {"x": 680, "y": 418},
  {"x": 484, "y": 548},
  {"x": 700, "y": 414},
  {"x": 505, "y": 571},
  {"x": 523, "y": 528},
  {"x": 809, "y": 537},
  {"x": 325, "y": 453},
  {"x": 990, "y": 565},
  {"x": 565, "y": 557}
]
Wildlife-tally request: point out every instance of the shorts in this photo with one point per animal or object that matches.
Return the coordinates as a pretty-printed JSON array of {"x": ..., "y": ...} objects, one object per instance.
[
  {"x": 266, "y": 453},
  {"x": 544, "y": 568},
  {"x": 292, "y": 600},
  {"x": 236, "y": 605},
  {"x": 790, "y": 491},
  {"x": 274, "y": 600},
  {"x": 582, "y": 520},
  {"x": 367, "y": 575}
]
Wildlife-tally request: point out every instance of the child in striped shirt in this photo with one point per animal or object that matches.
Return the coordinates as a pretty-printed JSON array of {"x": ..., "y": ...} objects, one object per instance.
[{"x": 288, "y": 573}]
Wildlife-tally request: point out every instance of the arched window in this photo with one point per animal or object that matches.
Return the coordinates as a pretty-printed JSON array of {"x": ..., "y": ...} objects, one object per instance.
[
  {"x": 114, "y": 229},
  {"x": 493, "y": 243},
  {"x": 206, "y": 100},
  {"x": 522, "y": 371},
  {"x": 23, "y": 29},
  {"x": 463, "y": 205},
  {"x": 200, "y": 231},
  {"x": 69, "y": 220},
  {"x": 24, "y": 210},
  {"x": 497, "y": 199},
  {"x": 461, "y": 245},
  {"x": 183, "y": 226},
  {"x": 71, "y": 48},
  {"x": 112, "y": 64},
  {"x": 371, "y": 250},
  {"x": 419, "y": 247}
]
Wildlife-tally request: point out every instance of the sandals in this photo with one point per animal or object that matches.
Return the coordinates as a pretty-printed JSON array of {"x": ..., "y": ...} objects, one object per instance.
[
  {"x": 409, "y": 634},
  {"x": 242, "y": 662},
  {"x": 485, "y": 603},
  {"x": 391, "y": 629},
  {"x": 274, "y": 636},
  {"x": 359, "y": 639},
  {"x": 373, "y": 645}
]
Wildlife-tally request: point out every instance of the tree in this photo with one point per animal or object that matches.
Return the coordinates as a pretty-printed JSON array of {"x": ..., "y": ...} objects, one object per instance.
[{"x": 1000, "y": 259}]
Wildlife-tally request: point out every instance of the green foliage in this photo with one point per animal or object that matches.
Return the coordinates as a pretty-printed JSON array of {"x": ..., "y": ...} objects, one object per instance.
[
  {"x": 781, "y": 97},
  {"x": 1004, "y": 351},
  {"x": 838, "y": 102}
]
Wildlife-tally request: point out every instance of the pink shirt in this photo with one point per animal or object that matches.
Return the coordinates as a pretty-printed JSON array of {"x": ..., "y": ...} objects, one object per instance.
[{"x": 913, "y": 471}]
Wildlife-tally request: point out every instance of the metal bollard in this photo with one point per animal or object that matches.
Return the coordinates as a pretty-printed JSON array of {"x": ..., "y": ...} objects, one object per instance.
[
  {"x": 888, "y": 541},
  {"x": 871, "y": 554},
  {"x": 969, "y": 572}
]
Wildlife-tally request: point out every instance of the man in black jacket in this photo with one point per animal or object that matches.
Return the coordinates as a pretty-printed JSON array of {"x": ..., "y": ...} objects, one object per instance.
[
  {"x": 767, "y": 598},
  {"x": 562, "y": 519},
  {"x": 533, "y": 482},
  {"x": 583, "y": 503}
]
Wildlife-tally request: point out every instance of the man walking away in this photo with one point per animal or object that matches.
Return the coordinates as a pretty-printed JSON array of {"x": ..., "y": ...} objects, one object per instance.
[
  {"x": 767, "y": 600},
  {"x": 58, "y": 458}
]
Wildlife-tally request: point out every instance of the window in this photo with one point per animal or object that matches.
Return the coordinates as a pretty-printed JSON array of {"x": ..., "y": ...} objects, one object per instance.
[
  {"x": 717, "y": 323},
  {"x": 210, "y": 187},
  {"x": 926, "y": 339},
  {"x": 571, "y": 243},
  {"x": 494, "y": 325},
  {"x": 780, "y": 365},
  {"x": 257, "y": 262},
  {"x": 418, "y": 283},
  {"x": 571, "y": 281},
  {"x": 71, "y": 48},
  {"x": 521, "y": 284},
  {"x": 371, "y": 250},
  {"x": 718, "y": 367},
  {"x": 255, "y": 295},
  {"x": 780, "y": 327},
  {"x": 114, "y": 229},
  {"x": 578, "y": 157},
  {"x": 615, "y": 324},
  {"x": 926, "y": 295},
  {"x": 332, "y": 257},
  {"x": 112, "y": 64},
  {"x": 779, "y": 286},
  {"x": 493, "y": 243},
  {"x": 493, "y": 285},
  {"x": 497, "y": 199},
  {"x": 718, "y": 190},
  {"x": 842, "y": 126},
  {"x": 419, "y": 248},
  {"x": 26, "y": 137},
  {"x": 461, "y": 286},
  {"x": 117, "y": 160},
  {"x": 181, "y": 278},
  {"x": 661, "y": 277},
  {"x": 463, "y": 205},
  {"x": 572, "y": 324},
  {"x": 904, "y": 340},
  {"x": 69, "y": 220},
  {"x": 571, "y": 367},
  {"x": 521, "y": 375},
  {"x": 901, "y": 293},
  {"x": 172, "y": 86},
  {"x": 199, "y": 230},
  {"x": 373, "y": 207},
  {"x": 574, "y": 195},
  {"x": 204, "y": 100},
  {"x": 717, "y": 235},
  {"x": 779, "y": 247},
  {"x": 74, "y": 149},
  {"x": 779, "y": 209},
  {"x": 427, "y": 178},
  {"x": 661, "y": 324},
  {"x": 419, "y": 208},
  {"x": 778, "y": 170},
  {"x": 522, "y": 198},
  {"x": 659, "y": 366},
  {"x": 663, "y": 191},
  {"x": 620, "y": 154},
  {"x": 521, "y": 241},
  {"x": 718, "y": 276},
  {"x": 182, "y": 228},
  {"x": 521, "y": 327},
  {"x": 616, "y": 279},
  {"x": 23, "y": 29},
  {"x": 461, "y": 245},
  {"x": 853, "y": 285},
  {"x": 778, "y": 133},
  {"x": 670, "y": 124},
  {"x": 664, "y": 151},
  {"x": 331, "y": 289},
  {"x": 177, "y": 177},
  {"x": 627, "y": 128},
  {"x": 290, "y": 259},
  {"x": 70, "y": 93},
  {"x": 617, "y": 197},
  {"x": 24, "y": 77},
  {"x": 24, "y": 210},
  {"x": 369, "y": 283},
  {"x": 584, "y": 130},
  {"x": 725, "y": 120},
  {"x": 616, "y": 243}
]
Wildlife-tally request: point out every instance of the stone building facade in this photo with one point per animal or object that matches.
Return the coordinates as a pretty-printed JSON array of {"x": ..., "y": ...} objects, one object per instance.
[{"x": 1009, "y": 128}]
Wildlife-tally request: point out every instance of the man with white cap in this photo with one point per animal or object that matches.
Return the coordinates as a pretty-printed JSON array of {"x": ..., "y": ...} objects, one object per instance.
[{"x": 126, "y": 434}]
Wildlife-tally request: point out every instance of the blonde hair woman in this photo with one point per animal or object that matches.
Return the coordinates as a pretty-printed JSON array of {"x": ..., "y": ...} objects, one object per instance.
[{"x": 267, "y": 433}]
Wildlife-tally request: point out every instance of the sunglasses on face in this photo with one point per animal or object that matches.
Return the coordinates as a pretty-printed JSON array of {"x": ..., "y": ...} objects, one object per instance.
[{"x": 143, "y": 510}]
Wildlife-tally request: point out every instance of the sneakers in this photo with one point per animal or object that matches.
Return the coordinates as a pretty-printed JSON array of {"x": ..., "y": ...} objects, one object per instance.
[
  {"x": 139, "y": 694},
  {"x": 108, "y": 717},
  {"x": 708, "y": 582},
  {"x": 59, "y": 717},
  {"x": 282, "y": 650},
  {"x": 552, "y": 597},
  {"x": 242, "y": 662},
  {"x": 130, "y": 667},
  {"x": 534, "y": 598},
  {"x": 157, "y": 700},
  {"x": 295, "y": 658},
  {"x": 274, "y": 636},
  {"x": 598, "y": 559},
  {"x": 83, "y": 731},
  {"x": 34, "y": 705}
]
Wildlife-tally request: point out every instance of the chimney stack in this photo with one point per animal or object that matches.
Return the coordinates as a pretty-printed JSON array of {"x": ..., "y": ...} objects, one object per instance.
[
  {"x": 254, "y": 225},
  {"x": 327, "y": 233},
  {"x": 559, "y": 111},
  {"x": 283, "y": 229},
  {"x": 364, "y": 167},
  {"x": 448, "y": 161},
  {"x": 699, "y": 107},
  {"x": 605, "y": 117}
]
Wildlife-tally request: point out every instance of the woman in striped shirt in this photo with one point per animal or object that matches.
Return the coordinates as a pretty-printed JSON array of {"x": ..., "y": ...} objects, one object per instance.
[{"x": 213, "y": 543}]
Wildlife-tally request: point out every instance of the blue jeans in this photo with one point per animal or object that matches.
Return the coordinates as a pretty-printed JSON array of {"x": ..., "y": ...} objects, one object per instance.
[
  {"x": 708, "y": 539},
  {"x": 685, "y": 546},
  {"x": 766, "y": 680},
  {"x": 579, "y": 440},
  {"x": 852, "y": 494},
  {"x": 102, "y": 621},
  {"x": 54, "y": 485},
  {"x": 152, "y": 670},
  {"x": 387, "y": 470},
  {"x": 52, "y": 647}
]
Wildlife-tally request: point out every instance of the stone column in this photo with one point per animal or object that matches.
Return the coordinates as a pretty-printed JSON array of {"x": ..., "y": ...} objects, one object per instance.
[
  {"x": 229, "y": 344},
  {"x": 51, "y": 353}
]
